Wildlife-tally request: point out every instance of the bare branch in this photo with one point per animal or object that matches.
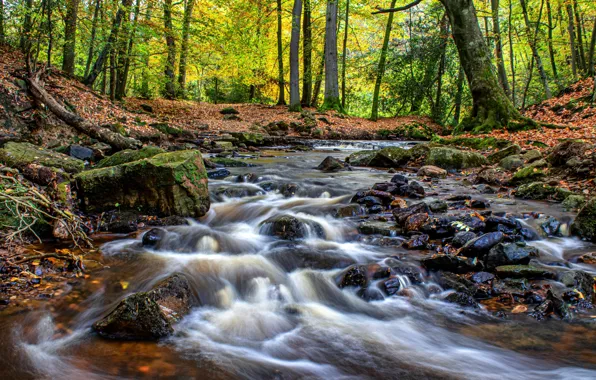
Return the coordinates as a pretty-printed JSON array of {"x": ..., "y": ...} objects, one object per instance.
[{"x": 398, "y": 9}]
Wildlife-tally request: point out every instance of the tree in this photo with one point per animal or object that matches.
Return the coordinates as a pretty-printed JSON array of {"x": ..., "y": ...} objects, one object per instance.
[
  {"x": 188, "y": 8},
  {"x": 532, "y": 37},
  {"x": 551, "y": 49},
  {"x": 2, "y": 30},
  {"x": 499, "y": 48},
  {"x": 25, "y": 41},
  {"x": 125, "y": 54},
  {"x": 281, "y": 100},
  {"x": 93, "y": 35},
  {"x": 70, "y": 36},
  {"x": 571, "y": 30},
  {"x": 331, "y": 101},
  {"x": 170, "y": 86},
  {"x": 591, "y": 58},
  {"x": 307, "y": 54},
  {"x": 294, "y": 67},
  {"x": 381, "y": 67},
  {"x": 344, "y": 54}
]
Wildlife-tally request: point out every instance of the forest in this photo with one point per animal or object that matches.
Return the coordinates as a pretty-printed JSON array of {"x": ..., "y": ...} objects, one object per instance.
[{"x": 276, "y": 189}]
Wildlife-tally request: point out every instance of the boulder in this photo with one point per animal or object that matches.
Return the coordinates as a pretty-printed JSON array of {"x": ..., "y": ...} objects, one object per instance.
[
  {"x": 81, "y": 152},
  {"x": 237, "y": 191},
  {"x": 354, "y": 276},
  {"x": 153, "y": 237},
  {"x": 218, "y": 173},
  {"x": 561, "y": 154},
  {"x": 229, "y": 162},
  {"x": 129, "y": 155},
  {"x": 148, "y": 315},
  {"x": 349, "y": 211},
  {"x": 417, "y": 242},
  {"x": 523, "y": 271},
  {"x": 530, "y": 173},
  {"x": 462, "y": 299},
  {"x": 289, "y": 227},
  {"x": 535, "y": 191},
  {"x": 574, "y": 202},
  {"x": 167, "y": 184},
  {"x": 531, "y": 156},
  {"x": 438, "y": 206},
  {"x": 510, "y": 254},
  {"x": 581, "y": 281},
  {"x": 503, "y": 153},
  {"x": 584, "y": 224},
  {"x": 512, "y": 163},
  {"x": 331, "y": 165},
  {"x": 481, "y": 245},
  {"x": 19, "y": 155},
  {"x": 385, "y": 158},
  {"x": 454, "y": 159},
  {"x": 250, "y": 139},
  {"x": 229, "y": 111},
  {"x": 432, "y": 172},
  {"x": 450, "y": 263},
  {"x": 461, "y": 238},
  {"x": 378, "y": 228}
]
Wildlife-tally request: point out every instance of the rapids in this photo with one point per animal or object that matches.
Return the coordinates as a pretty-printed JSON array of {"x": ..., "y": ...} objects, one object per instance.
[{"x": 272, "y": 309}]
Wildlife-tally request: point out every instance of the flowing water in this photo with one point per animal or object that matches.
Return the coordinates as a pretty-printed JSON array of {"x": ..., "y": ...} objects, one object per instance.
[{"x": 272, "y": 309}]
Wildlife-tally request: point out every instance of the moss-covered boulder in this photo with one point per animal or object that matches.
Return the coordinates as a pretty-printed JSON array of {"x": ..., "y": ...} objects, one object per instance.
[
  {"x": 531, "y": 156},
  {"x": 148, "y": 315},
  {"x": 530, "y": 173},
  {"x": 361, "y": 158},
  {"x": 450, "y": 158},
  {"x": 535, "y": 191},
  {"x": 390, "y": 157},
  {"x": 584, "y": 225},
  {"x": 501, "y": 154},
  {"x": 19, "y": 155},
  {"x": 574, "y": 202},
  {"x": 129, "y": 155},
  {"x": 229, "y": 162},
  {"x": 250, "y": 139},
  {"x": 478, "y": 143},
  {"x": 167, "y": 184},
  {"x": 512, "y": 163},
  {"x": 524, "y": 271}
]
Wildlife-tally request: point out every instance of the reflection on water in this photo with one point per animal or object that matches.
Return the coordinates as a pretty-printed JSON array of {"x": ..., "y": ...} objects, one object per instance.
[{"x": 272, "y": 309}]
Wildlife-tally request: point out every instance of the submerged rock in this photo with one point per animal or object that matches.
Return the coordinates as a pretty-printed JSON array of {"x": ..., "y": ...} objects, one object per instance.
[
  {"x": 218, "y": 173},
  {"x": 510, "y": 254},
  {"x": 148, "y": 315},
  {"x": 355, "y": 276},
  {"x": 237, "y": 191},
  {"x": 153, "y": 237},
  {"x": 289, "y": 227},
  {"x": 450, "y": 263},
  {"x": 462, "y": 299}
]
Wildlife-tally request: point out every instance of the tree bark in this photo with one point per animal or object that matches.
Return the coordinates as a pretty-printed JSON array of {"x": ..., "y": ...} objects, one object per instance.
[
  {"x": 25, "y": 41},
  {"x": 121, "y": 54},
  {"x": 170, "y": 86},
  {"x": 307, "y": 55},
  {"x": 591, "y": 58},
  {"x": 499, "y": 48},
  {"x": 331, "y": 100},
  {"x": 294, "y": 52},
  {"x": 281, "y": 99},
  {"x": 512, "y": 55},
  {"x": 374, "y": 116},
  {"x": 2, "y": 29},
  {"x": 188, "y": 9},
  {"x": 459, "y": 96},
  {"x": 70, "y": 36},
  {"x": 116, "y": 140},
  {"x": 93, "y": 35},
  {"x": 319, "y": 80},
  {"x": 532, "y": 41},
  {"x": 571, "y": 29},
  {"x": 551, "y": 49},
  {"x": 437, "y": 109},
  {"x": 580, "y": 38},
  {"x": 107, "y": 49},
  {"x": 124, "y": 71},
  {"x": 50, "y": 29},
  {"x": 344, "y": 54}
]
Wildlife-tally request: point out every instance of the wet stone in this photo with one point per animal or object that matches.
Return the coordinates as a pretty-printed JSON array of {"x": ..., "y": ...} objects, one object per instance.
[
  {"x": 461, "y": 238},
  {"x": 354, "y": 277},
  {"x": 417, "y": 242},
  {"x": 462, "y": 299},
  {"x": 391, "y": 286},
  {"x": 482, "y": 277},
  {"x": 153, "y": 237},
  {"x": 480, "y": 246}
]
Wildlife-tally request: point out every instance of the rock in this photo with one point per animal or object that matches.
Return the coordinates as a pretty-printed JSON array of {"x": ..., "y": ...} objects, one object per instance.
[
  {"x": 349, "y": 211},
  {"x": 123, "y": 223},
  {"x": 510, "y": 286},
  {"x": 438, "y": 206},
  {"x": 81, "y": 153},
  {"x": 146, "y": 108},
  {"x": 561, "y": 154},
  {"x": 588, "y": 258},
  {"x": 512, "y": 163},
  {"x": 531, "y": 156},
  {"x": 229, "y": 111},
  {"x": 510, "y": 254},
  {"x": 129, "y": 155},
  {"x": 503, "y": 153},
  {"x": 559, "y": 306},
  {"x": 148, "y": 315},
  {"x": 153, "y": 237},
  {"x": 415, "y": 190},
  {"x": 458, "y": 283},
  {"x": 378, "y": 228},
  {"x": 454, "y": 159},
  {"x": 361, "y": 158},
  {"x": 237, "y": 191},
  {"x": 415, "y": 222},
  {"x": 391, "y": 286},
  {"x": 480, "y": 204},
  {"x": 455, "y": 264},
  {"x": 574, "y": 202},
  {"x": 491, "y": 176},
  {"x": 331, "y": 165},
  {"x": 288, "y": 190},
  {"x": 385, "y": 158},
  {"x": 584, "y": 224},
  {"x": 432, "y": 172},
  {"x": 462, "y": 299},
  {"x": 20, "y": 155},
  {"x": 354, "y": 276},
  {"x": 399, "y": 179},
  {"x": 535, "y": 191},
  {"x": 461, "y": 238},
  {"x": 417, "y": 242},
  {"x": 482, "y": 277},
  {"x": 250, "y": 139},
  {"x": 289, "y": 227},
  {"x": 551, "y": 226},
  {"x": 530, "y": 173},
  {"x": 167, "y": 184},
  {"x": 481, "y": 245},
  {"x": 402, "y": 214},
  {"x": 218, "y": 173},
  {"x": 581, "y": 281},
  {"x": 523, "y": 271},
  {"x": 229, "y": 162}
]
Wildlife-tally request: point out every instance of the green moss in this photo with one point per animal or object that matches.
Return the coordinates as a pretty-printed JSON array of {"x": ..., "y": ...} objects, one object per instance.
[
  {"x": 250, "y": 139},
  {"x": 478, "y": 143},
  {"x": 503, "y": 153},
  {"x": 536, "y": 191},
  {"x": 511, "y": 163},
  {"x": 574, "y": 202},
  {"x": 229, "y": 162},
  {"x": 449, "y": 158},
  {"x": 19, "y": 155},
  {"x": 129, "y": 155},
  {"x": 166, "y": 129},
  {"x": 584, "y": 225},
  {"x": 531, "y": 173}
]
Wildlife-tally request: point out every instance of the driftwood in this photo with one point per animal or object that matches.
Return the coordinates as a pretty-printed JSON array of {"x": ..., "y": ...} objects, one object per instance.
[{"x": 117, "y": 141}]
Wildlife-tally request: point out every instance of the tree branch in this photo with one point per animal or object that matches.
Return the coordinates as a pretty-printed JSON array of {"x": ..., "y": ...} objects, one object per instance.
[{"x": 398, "y": 9}]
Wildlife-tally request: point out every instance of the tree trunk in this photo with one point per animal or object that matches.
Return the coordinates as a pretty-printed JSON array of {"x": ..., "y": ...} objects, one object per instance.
[
  {"x": 319, "y": 80},
  {"x": 580, "y": 38},
  {"x": 113, "y": 75},
  {"x": 121, "y": 54},
  {"x": 93, "y": 35},
  {"x": 437, "y": 109},
  {"x": 459, "y": 96},
  {"x": 123, "y": 79},
  {"x": 49, "y": 30},
  {"x": 344, "y": 54},
  {"x": 512, "y": 55},
  {"x": 491, "y": 106},
  {"x": 591, "y": 58},
  {"x": 70, "y": 36},
  {"x": 25, "y": 42},
  {"x": 2, "y": 29},
  {"x": 116, "y": 140},
  {"x": 532, "y": 40},
  {"x": 331, "y": 100},
  {"x": 499, "y": 48},
  {"x": 145, "y": 69},
  {"x": 184, "y": 45},
  {"x": 281, "y": 99},
  {"x": 107, "y": 49},
  {"x": 170, "y": 87},
  {"x": 381, "y": 67},
  {"x": 294, "y": 52},
  {"x": 571, "y": 29},
  {"x": 307, "y": 55},
  {"x": 551, "y": 49}
]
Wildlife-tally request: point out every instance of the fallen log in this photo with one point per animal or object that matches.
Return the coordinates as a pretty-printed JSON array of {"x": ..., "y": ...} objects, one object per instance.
[{"x": 116, "y": 140}]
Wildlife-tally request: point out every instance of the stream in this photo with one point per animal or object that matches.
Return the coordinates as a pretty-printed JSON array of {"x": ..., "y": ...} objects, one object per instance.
[{"x": 271, "y": 308}]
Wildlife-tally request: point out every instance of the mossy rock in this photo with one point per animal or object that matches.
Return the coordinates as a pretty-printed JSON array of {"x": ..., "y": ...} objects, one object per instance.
[
  {"x": 531, "y": 156},
  {"x": 166, "y": 184},
  {"x": 229, "y": 162},
  {"x": 574, "y": 202},
  {"x": 129, "y": 155},
  {"x": 166, "y": 129},
  {"x": 414, "y": 131},
  {"x": 503, "y": 153},
  {"x": 250, "y": 139},
  {"x": 512, "y": 163},
  {"x": 530, "y": 173},
  {"x": 229, "y": 111},
  {"x": 361, "y": 158},
  {"x": 524, "y": 271},
  {"x": 450, "y": 158},
  {"x": 584, "y": 224},
  {"x": 224, "y": 144},
  {"x": 478, "y": 143},
  {"x": 389, "y": 157},
  {"x": 19, "y": 155},
  {"x": 536, "y": 191}
]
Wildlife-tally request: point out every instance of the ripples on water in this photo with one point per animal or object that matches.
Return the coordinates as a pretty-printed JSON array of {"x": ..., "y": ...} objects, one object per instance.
[{"x": 273, "y": 309}]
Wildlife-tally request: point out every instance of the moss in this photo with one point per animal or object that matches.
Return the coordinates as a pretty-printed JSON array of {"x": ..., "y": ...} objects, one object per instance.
[
  {"x": 536, "y": 191},
  {"x": 449, "y": 158},
  {"x": 523, "y": 271},
  {"x": 574, "y": 202},
  {"x": 478, "y": 143},
  {"x": 511, "y": 163},
  {"x": 584, "y": 225},
  {"x": 19, "y": 155},
  {"x": 229, "y": 162},
  {"x": 531, "y": 173},
  {"x": 250, "y": 139},
  {"x": 129, "y": 155},
  {"x": 503, "y": 153},
  {"x": 166, "y": 129}
]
